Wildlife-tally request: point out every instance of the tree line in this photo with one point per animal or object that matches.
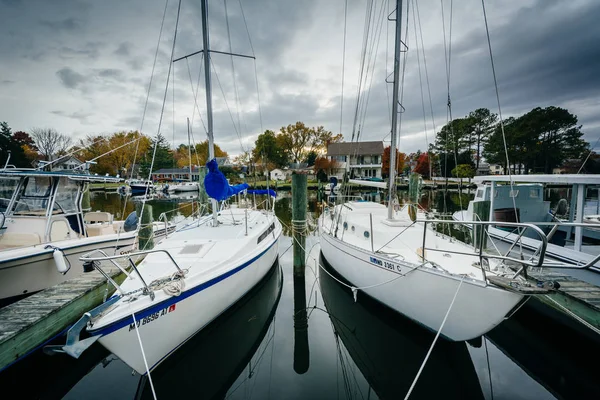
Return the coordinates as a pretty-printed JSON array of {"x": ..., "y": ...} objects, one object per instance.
[
  {"x": 536, "y": 142},
  {"x": 133, "y": 154}
]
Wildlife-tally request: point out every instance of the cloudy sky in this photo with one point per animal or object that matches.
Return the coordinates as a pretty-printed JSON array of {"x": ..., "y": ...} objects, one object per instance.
[{"x": 84, "y": 67}]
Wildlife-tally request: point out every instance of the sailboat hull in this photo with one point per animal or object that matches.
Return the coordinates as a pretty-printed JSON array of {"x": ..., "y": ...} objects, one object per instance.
[
  {"x": 424, "y": 295},
  {"x": 165, "y": 326}
]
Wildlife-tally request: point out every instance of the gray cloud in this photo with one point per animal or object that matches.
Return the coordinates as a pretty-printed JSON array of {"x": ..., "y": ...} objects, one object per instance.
[
  {"x": 77, "y": 115},
  {"x": 7, "y": 82},
  {"x": 124, "y": 49},
  {"x": 113, "y": 73},
  {"x": 67, "y": 24},
  {"x": 545, "y": 54},
  {"x": 69, "y": 78}
]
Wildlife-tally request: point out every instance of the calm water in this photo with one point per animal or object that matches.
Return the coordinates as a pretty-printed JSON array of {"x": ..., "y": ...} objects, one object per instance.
[{"x": 294, "y": 338}]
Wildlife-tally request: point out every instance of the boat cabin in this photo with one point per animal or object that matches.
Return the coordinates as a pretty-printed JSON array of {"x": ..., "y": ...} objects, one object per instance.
[
  {"x": 46, "y": 206},
  {"x": 526, "y": 195}
]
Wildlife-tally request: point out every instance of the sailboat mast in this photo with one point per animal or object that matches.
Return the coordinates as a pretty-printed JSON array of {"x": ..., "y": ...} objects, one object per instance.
[
  {"x": 211, "y": 145},
  {"x": 397, "y": 51},
  {"x": 189, "y": 148}
]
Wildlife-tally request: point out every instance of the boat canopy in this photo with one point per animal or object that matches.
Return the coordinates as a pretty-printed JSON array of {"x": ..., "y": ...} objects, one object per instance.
[
  {"x": 26, "y": 172},
  {"x": 566, "y": 179}
]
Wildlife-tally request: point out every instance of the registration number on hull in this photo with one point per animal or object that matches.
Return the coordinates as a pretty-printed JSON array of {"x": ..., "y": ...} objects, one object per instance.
[{"x": 385, "y": 264}]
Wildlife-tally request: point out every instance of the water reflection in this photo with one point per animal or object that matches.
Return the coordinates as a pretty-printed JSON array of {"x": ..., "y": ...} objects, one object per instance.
[
  {"x": 560, "y": 357},
  {"x": 207, "y": 366},
  {"x": 389, "y": 349}
]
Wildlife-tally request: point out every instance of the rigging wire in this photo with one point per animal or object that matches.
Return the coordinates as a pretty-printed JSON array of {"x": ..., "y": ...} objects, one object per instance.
[
  {"x": 227, "y": 104},
  {"x": 255, "y": 68},
  {"x": 149, "y": 86},
  {"x": 343, "y": 63},
  {"x": 235, "y": 88},
  {"x": 163, "y": 106},
  {"x": 487, "y": 31},
  {"x": 425, "y": 67}
]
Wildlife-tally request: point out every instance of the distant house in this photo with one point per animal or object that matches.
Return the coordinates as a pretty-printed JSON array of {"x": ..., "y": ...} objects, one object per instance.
[
  {"x": 278, "y": 174},
  {"x": 483, "y": 169},
  {"x": 60, "y": 164},
  {"x": 177, "y": 174},
  {"x": 361, "y": 159}
]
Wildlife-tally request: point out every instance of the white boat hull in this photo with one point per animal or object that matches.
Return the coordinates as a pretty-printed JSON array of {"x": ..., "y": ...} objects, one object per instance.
[
  {"x": 166, "y": 325},
  {"x": 26, "y": 270},
  {"x": 422, "y": 294}
]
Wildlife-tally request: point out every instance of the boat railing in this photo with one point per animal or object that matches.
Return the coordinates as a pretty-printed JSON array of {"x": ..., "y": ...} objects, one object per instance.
[
  {"x": 535, "y": 261},
  {"x": 95, "y": 262}
]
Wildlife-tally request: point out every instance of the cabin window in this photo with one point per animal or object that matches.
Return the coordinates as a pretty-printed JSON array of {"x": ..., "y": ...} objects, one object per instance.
[
  {"x": 514, "y": 193},
  {"x": 534, "y": 193},
  {"x": 367, "y": 234},
  {"x": 345, "y": 226},
  {"x": 479, "y": 194}
]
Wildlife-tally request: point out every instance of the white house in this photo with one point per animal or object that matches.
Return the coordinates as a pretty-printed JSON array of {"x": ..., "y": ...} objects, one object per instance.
[
  {"x": 278, "y": 174},
  {"x": 361, "y": 159}
]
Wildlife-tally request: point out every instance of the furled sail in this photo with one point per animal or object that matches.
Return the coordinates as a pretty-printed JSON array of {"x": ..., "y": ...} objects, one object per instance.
[{"x": 216, "y": 184}]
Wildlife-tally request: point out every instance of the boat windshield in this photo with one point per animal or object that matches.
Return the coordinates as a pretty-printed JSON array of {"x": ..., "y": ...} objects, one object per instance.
[
  {"x": 34, "y": 197},
  {"x": 7, "y": 190},
  {"x": 67, "y": 196}
]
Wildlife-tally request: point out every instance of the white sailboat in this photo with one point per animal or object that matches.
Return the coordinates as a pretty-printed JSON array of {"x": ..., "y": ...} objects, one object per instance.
[
  {"x": 402, "y": 262},
  {"x": 189, "y": 278},
  {"x": 190, "y": 185},
  {"x": 44, "y": 229}
]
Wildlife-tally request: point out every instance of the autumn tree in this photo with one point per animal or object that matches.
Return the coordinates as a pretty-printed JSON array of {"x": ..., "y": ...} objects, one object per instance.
[
  {"x": 385, "y": 162},
  {"x": 326, "y": 165},
  {"x": 202, "y": 152},
  {"x": 423, "y": 165},
  {"x": 299, "y": 140}
]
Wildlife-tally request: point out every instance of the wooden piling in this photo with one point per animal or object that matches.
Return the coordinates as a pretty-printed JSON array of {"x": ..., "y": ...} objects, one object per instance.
[
  {"x": 481, "y": 212},
  {"x": 299, "y": 206}
]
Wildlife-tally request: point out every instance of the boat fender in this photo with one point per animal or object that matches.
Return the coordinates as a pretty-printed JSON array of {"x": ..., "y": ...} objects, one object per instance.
[{"x": 59, "y": 260}]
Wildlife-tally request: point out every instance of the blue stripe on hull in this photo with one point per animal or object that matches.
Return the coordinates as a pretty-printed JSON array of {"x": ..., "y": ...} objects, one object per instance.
[{"x": 115, "y": 326}]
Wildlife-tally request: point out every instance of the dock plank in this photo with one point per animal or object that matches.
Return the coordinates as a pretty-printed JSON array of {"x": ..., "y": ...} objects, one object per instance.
[{"x": 31, "y": 322}]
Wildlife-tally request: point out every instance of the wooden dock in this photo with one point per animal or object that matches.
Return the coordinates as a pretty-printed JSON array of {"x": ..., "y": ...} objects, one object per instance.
[
  {"x": 574, "y": 298},
  {"x": 30, "y": 323}
]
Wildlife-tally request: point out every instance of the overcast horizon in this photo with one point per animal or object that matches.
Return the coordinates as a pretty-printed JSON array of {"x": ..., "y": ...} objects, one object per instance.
[{"x": 83, "y": 67}]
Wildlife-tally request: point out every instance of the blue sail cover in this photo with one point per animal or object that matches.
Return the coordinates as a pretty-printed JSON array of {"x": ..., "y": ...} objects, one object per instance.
[{"x": 216, "y": 184}]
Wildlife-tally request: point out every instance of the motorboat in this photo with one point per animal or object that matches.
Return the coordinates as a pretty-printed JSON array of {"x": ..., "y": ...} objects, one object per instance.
[
  {"x": 572, "y": 235},
  {"x": 139, "y": 187},
  {"x": 44, "y": 229}
]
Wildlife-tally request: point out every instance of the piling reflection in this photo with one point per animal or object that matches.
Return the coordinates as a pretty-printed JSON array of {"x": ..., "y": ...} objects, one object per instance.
[
  {"x": 389, "y": 349},
  {"x": 207, "y": 365}
]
